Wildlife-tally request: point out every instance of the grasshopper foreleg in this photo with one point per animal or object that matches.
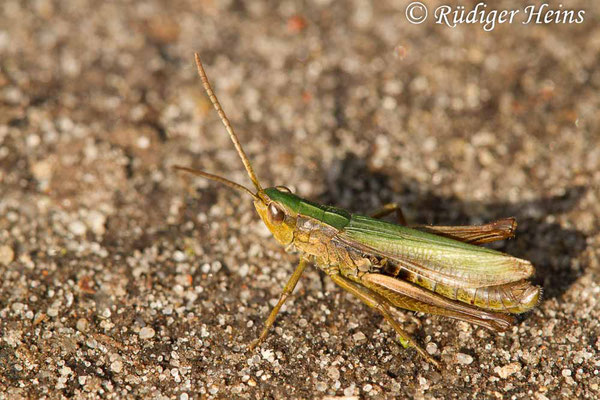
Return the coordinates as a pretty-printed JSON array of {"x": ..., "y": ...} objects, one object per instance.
[
  {"x": 379, "y": 303},
  {"x": 287, "y": 290},
  {"x": 389, "y": 208}
]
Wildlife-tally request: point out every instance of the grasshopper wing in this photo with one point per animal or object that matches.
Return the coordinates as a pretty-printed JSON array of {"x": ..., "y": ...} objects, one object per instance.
[{"x": 435, "y": 257}]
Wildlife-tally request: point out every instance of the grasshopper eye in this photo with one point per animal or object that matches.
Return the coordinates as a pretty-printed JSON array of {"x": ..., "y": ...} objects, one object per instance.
[{"x": 276, "y": 215}]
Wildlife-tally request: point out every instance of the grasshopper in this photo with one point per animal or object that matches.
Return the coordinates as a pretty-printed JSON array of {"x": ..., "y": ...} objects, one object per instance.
[{"x": 439, "y": 270}]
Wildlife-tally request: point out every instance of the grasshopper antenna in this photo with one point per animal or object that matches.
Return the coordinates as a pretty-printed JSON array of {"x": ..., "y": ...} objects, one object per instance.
[
  {"x": 227, "y": 124},
  {"x": 216, "y": 178}
]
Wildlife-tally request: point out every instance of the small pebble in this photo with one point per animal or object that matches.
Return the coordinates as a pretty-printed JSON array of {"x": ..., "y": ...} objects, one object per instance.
[
  {"x": 349, "y": 391},
  {"x": 243, "y": 271},
  {"x": 82, "y": 325},
  {"x": 116, "y": 366},
  {"x": 6, "y": 255},
  {"x": 333, "y": 373},
  {"x": 146, "y": 333},
  {"x": 431, "y": 348},
  {"x": 42, "y": 170},
  {"x": 96, "y": 221},
  {"x": 178, "y": 256},
  {"x": 464, "y": 359},
  {"x": 52, "y": 311},
  {"x": 77, "y": 228},
  {"x": 143, "y": 142},
  {"x": 216, "y": 266},
  {"x": 359, "y": 337},
  {"x": 268, "y": 355},
  {"x": 507, "y": 370}
]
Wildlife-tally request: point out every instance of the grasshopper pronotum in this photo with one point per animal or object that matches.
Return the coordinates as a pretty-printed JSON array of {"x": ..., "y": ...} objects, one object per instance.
[{"x": 439, "y": 270}]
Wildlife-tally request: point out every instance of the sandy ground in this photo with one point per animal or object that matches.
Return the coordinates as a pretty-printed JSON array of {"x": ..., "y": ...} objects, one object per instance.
[{"x": 121, "y": 278}]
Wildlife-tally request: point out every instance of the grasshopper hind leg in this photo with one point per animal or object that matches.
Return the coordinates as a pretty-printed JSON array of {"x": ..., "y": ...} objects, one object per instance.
[
  {"x": 475, "y": 234},
  {"x": 287, "y": 290},
  {"x": 378, "y": 302},
  {"x": 387, "y": 209}
]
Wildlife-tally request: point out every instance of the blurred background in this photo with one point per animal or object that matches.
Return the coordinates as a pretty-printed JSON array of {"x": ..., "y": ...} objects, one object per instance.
[{"x": 120, "y": 276}]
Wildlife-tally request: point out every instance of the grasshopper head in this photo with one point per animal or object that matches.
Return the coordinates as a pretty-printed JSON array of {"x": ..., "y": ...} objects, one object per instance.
[{"x": 277, "y": 207}]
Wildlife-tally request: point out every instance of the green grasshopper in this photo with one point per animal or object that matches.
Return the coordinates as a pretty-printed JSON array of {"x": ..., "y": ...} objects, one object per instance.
[{"x": 439, "y": 270}]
